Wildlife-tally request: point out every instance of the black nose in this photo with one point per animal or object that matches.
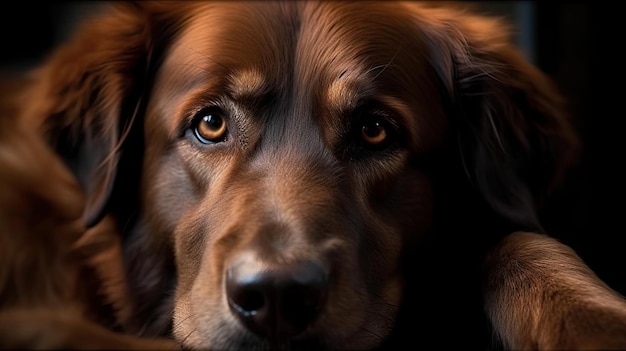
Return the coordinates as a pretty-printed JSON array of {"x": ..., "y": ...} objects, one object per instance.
[{"x": 276, "y": 302}]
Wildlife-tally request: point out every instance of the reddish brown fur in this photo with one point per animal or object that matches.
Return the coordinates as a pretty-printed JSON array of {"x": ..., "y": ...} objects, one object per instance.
[{"x": 480, "y": 139}]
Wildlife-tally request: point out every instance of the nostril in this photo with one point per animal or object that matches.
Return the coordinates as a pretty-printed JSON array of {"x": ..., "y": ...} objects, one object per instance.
[
  {"x": 300, "y": 304},
  {"x": 246, "y": 301},
  {"x": 279, "y": 301}
]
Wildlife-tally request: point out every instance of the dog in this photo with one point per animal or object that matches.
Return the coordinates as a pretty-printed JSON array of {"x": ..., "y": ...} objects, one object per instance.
[{"x": 290, "y": 175}]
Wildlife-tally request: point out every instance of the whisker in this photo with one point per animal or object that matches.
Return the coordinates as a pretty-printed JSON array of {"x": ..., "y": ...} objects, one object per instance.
[
  {"x": 130, "y": 221},
  {"x": 158, "y": 315},
  {"x": 180, "y": 322},
  {"x": 182, "y": 342},
  {"x": 383, "y": 67},
  {"x": 125, "y": 132}
]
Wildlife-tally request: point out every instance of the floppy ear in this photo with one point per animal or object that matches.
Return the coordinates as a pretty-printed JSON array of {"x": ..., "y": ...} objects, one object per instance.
[
  {"x": 88, "y": 94},
  {"x": 513, "y": 136}
]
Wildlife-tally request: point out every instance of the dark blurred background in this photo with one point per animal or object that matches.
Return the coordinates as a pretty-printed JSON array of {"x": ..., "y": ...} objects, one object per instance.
[{"x": 573, "y": 42}]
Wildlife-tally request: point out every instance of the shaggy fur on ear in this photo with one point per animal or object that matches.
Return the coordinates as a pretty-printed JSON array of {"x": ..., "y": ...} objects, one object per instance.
[
  {"x": 40, "y": 208},
  {"x": 90, "y": 93},
  {"x": 513, "y": 136},
  {"x": 89, "y": 96}
]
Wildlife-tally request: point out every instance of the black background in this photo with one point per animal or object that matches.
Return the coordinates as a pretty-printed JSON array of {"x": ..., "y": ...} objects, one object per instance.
[{"x": 576, "y": 43}]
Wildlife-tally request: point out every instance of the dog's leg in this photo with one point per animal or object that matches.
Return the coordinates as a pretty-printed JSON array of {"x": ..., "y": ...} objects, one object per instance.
[{"x": 540, "y": 295}]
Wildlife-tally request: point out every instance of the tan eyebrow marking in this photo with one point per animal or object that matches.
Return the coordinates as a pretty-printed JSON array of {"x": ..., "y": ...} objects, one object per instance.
[
  {"x": 247, "y": 83},
  {"x": 347, "y": 91},
  {"x": 339, "y": 96}
]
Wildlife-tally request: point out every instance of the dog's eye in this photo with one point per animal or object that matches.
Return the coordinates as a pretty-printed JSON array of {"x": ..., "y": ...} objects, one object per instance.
[
  {"x": 209, "y": 126},
  {"x": 375, "y": 132}
]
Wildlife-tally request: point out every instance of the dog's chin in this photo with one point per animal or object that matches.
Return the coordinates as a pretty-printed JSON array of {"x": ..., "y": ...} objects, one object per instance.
[
  {"x": 234, "y": 337},
  {"x": 249, "y": 342}
]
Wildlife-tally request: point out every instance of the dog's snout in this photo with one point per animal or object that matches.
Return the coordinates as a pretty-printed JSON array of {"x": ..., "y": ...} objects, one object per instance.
[{"x": 277, "y": 302}]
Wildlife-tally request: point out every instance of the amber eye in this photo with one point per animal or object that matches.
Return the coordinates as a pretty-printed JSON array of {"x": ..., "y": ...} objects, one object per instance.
[
  {"x": 374, "y": 132},
  {"x": 210, "y": 126}
]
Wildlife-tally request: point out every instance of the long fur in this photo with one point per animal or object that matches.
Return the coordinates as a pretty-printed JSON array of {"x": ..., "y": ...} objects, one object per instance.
[{"x": 122, "y": 229}]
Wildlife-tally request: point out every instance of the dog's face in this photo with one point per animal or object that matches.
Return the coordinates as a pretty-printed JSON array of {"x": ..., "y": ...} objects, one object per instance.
[
  {"x": 273, "y": 163},
  {"x": 278, "y": 159}
]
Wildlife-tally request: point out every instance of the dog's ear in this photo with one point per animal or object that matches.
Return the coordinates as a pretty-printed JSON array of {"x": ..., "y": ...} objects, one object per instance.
[
  {"x": 88, "y": 93},
  {"x": 507, "y": 117}
]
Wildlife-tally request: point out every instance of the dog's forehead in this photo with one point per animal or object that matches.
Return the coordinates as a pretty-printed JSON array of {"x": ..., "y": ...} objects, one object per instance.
[{"x": 330, "y": 53}]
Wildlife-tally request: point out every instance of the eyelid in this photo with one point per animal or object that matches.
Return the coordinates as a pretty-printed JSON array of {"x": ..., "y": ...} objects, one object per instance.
[
  {"x": 190, "y": 117},
  {"x": 368, "y": 112},
  {"x": 386, "y": 123}
]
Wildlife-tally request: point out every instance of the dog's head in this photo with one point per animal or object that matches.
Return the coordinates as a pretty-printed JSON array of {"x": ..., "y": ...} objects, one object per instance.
[{"x": 273, "y": 164}]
